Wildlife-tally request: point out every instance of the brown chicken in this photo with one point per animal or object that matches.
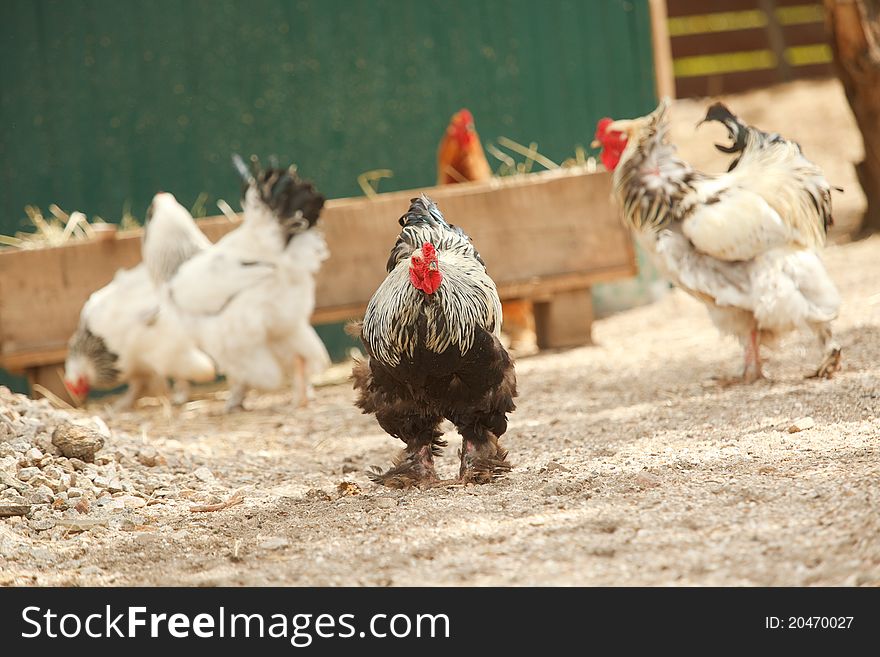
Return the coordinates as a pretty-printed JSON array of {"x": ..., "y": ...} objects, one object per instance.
[{"x": 461, "y": 158}]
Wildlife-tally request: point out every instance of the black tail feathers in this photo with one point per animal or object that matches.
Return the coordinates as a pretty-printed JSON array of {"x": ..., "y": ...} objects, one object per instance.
[{"x": 295, "y": 202}]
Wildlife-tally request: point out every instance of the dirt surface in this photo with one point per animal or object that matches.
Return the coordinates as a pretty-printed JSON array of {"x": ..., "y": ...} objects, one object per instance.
[{"x": 632, "y": 466}]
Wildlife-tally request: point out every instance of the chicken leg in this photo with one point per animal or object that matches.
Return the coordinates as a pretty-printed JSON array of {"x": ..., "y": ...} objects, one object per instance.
[
  {"x": 830, "y": 352},
  {"x": 752, "y": 367},
  {"x": 300, "y": 382},
  {"x": 483, "y": 459},
  {"x": 235, "y": 400},
  {"x": 180, "y": 392},
  {"x": 136, "y": 387},
  {"x": 415, "y": 465}
]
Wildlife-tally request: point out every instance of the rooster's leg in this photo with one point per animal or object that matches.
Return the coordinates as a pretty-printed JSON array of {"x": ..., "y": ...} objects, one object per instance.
[
  {"x": 235, "y": 401},
  {"x": 830, "y": 352},
  {"x": 483, "y": 459},
  {"x": 180, "y": 392},
  {"x": 135, "y": 388},
  {"x": 415, "y": 465},
  {"x": 752, "y": 369},
  {"x": 300, "y": 382}
]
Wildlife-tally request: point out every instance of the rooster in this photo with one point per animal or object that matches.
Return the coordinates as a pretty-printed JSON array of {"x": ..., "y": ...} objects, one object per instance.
[
  {"x": 123, "y": 338},
  {"x": 745, "y": 242},
  {"x": 431, "y": 332},
  {"x": 461, "y": 158},
  {"x": 248, "y": 298}
]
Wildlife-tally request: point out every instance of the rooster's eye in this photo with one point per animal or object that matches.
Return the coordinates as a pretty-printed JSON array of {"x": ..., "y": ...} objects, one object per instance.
[{"x": 416, "y": 259}]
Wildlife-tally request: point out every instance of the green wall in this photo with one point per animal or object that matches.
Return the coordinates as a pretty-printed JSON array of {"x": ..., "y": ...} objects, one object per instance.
[{"x": 103, "y": 103}]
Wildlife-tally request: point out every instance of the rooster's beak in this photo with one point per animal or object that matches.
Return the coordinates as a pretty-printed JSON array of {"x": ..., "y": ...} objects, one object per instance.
[
  {"x": 622, "y": 125},
  {"x": 595, "y": 143}
]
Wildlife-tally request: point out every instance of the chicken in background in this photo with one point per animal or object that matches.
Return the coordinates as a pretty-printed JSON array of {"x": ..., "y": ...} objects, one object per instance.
[
  {"x": 745, "y": 242},
  {"x": 247, "y": 299},
  {"x": 431, "y": 332},
  {"x": 461, "y": 158},
  {"x": 123, "y": 338},
  {"x": 171, "y": 237}
]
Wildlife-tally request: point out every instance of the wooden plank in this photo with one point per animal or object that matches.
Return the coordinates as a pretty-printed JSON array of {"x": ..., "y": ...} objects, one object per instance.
[
  {"x": 804, "y": 34},
  {"x": 815, "y": 71},
  {"x": 664, "y": 77},
  {"x": 725, "y": 83},
  {"x": 729, "y": 83},
  {"x": 533, "y": 231},
  {"x": 566, "y": 320},
  {"x": 43, "y": 290},
  {"x": 676, "y": 8},
  {"x": 714, "y": 43},
  {"x": 48, "y": 354}
]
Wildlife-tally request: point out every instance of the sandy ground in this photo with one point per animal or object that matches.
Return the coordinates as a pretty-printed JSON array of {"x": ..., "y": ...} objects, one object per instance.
[{"x": 632, "y": 466}]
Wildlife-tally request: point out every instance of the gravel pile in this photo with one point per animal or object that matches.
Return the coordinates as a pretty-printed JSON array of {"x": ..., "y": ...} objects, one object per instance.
[{"x": 63, "y": 473}]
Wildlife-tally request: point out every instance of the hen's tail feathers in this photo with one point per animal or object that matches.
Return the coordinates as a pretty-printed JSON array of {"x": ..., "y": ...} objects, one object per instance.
[
  {"x": 741, "y": 134},
  {"x": 171, "y": 237},
  {"x": 295, "y": 202},
  {"x": 735, "y": 128}
]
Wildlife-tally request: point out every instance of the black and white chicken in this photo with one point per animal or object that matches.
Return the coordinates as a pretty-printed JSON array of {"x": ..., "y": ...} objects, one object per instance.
[
  {"x": 745, "y": 242},
  {"x": 431, "y": 332}
]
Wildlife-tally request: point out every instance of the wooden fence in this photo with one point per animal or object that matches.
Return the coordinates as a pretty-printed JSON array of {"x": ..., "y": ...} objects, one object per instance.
[{"x": 726, "y": 46}]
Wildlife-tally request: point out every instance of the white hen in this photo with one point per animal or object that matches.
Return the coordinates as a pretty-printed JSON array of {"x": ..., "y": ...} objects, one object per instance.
[
  {"x": 248, "y": 298},
  {"x": 171, "y": 237},
  {"x": 744, "y": 242},
  {"x": 122, "y": 338}
]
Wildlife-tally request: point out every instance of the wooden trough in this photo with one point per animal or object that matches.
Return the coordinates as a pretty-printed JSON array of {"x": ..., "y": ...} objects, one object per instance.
[{"x": 546, "y": 237}]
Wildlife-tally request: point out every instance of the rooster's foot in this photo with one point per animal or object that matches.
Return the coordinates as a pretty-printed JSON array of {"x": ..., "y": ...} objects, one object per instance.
[
  {"x": 483, "y": 462},
  {"x": 180, "y": 392},
  {"x": 302, "y": 397},
  {"x": 410, "y": 468},
  {"x": 729, "y": 381},
  {"x": 829, "y": 365},
  {"x": 235, "y": 401},
  {"x": 752, "y": 377}
]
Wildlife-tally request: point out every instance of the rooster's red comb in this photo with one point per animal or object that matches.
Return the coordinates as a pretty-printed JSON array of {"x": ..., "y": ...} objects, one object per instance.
[{"x": 463, "y": 116}]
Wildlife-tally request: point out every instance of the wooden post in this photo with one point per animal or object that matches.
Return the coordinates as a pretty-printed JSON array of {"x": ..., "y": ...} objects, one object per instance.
[
  {"x": 565, "y": 320},
  {"x": 854, "y": 28},
  {"x": 664, "y": 73},
  {"x": 47, "y": 376}
]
